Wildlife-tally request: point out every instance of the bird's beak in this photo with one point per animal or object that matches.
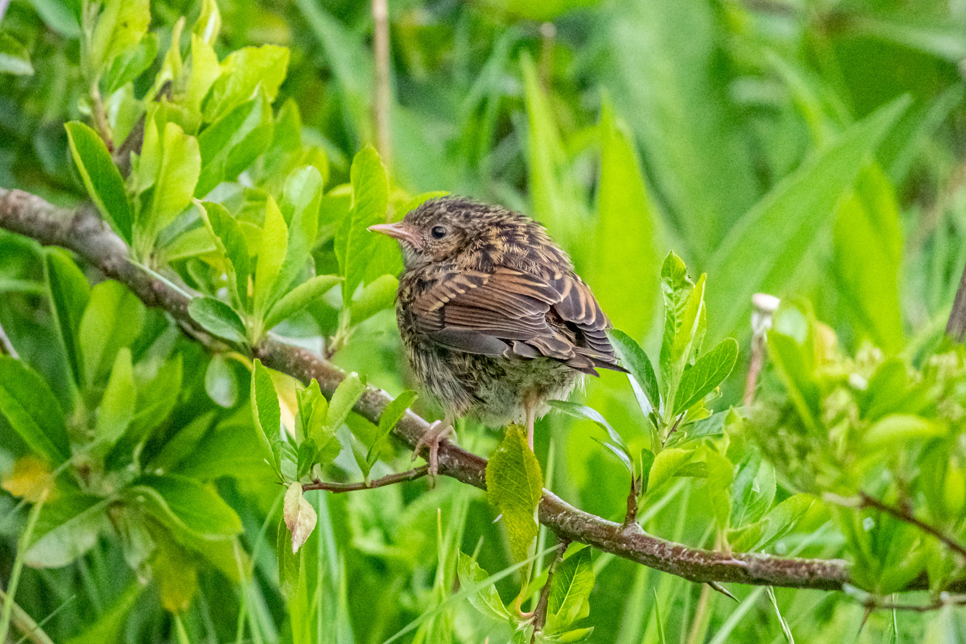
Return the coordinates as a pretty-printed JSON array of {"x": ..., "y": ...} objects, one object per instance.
[{"x": 399, "y": 231}]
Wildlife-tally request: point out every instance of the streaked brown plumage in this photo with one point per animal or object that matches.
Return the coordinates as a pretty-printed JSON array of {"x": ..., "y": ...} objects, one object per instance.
[{"x": 494, "y": 319}]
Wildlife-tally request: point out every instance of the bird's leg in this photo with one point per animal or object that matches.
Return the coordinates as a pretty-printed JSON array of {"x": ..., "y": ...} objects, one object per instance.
[
  {"x": 431, "y": 439},
  {"x": 530, "y": 403}
]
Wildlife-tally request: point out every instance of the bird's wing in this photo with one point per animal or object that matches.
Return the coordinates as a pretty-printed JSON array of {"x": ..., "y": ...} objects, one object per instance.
[{"x": 509, "y": 312}]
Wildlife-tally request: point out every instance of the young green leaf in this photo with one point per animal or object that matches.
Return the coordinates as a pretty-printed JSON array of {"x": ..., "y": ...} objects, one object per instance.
[
  {"x": 676, "y": 288},
  {"x": 344, "y": 399},
  {"x": 299, "y": 515},
  {"x": 116, "y": 410},
  {"x": 299, "y": 298},
  {"x": 354, "y": 244},
  {"x": 514, "y": 485},
  {"x": 569, "y": 599},
  {"x": 229, "y": 239},
  {"x": 208, "y": 25},
  {"x": 487, "y": 599},
  {"x": 642, "y": 376},
  {"x": 101, "y": 178},
  {"x": 243, "y": 71},
  {"x": 220, "y": 383},
  {"x": 217, "y": 318},
  {"x": 33, "y": 412},
  {"x": 230, "y": 144},
  {"x": 375, "y": 297},
  {"x": 69, "y": 294},
  {"x": 706, "y": 374},
  {"x": 271, "y": 255},
  {"x": 266, "y": 411},
  {"x": 120, "y": 25},
  {"x": 667, "y": 463},
  {"x": 132, "y": 63},
  {"x": 174, "y": 183},
  {"x": 289, "y": 564},
  {"x": 391, "y": 415}
]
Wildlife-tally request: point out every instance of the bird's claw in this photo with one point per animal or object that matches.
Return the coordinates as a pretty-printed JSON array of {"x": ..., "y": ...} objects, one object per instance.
[{"x": 430, "y": 440}]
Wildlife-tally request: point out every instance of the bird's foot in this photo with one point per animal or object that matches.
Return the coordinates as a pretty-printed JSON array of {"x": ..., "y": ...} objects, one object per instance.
[{"x": 430, "y": 440}]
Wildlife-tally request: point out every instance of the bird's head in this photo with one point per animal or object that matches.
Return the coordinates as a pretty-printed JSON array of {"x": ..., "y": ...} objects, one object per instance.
[{"x": 438, "y": 229}]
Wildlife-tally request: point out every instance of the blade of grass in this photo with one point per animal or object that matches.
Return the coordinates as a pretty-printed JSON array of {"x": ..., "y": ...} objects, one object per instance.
[{"x": 11, "y": 593}]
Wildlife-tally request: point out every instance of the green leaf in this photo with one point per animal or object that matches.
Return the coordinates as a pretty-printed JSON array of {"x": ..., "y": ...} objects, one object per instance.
[
  {"x": 391, "y": 415},
  {"x": 271, "y": 255},
  {"x": 116, "y": 410},
  {"x": 783, "y": 518},
  {"x": 220, "y": 383},
  {"x": 372, "y": 299},
  {"x": 14, "y": 57},
  {"x": 120, "y": 25},
  {"x": 680, "y": 103},
  {"x": 69, "y": 294},
  {"x": 101, "y": 178},
  {"x": 627, "y": 255},
  {"x": 344, "y": 399},
  {"x": 243, "y": 71},
  {"x": 556, "y": 197},
  {"x": 132, "y": 63},
  {"x": 182, "y": 445},
  {"x": 486, "y": 599},
  {"x": 514, "y": 485},
  {"x": 569, "y": 599},
  {"x": 217, "y": 318},
  {"x": 354, "y": 244},
  {"x": 899, "y": 429},
  {"x": 185, "y": 504},
  {"x": 794, "y": 370},
  {"x": 230, "y": 241},
  {"x": 113, "y": 319},
  {"x": 205, "y": 70},
  {"x": 667, "y": 463},
  {"x": 676, "y": 288},
  {"x": 706, "y": 374},
  {"x": 68, "y": 527},
  {"x": 230, "y": 144},
  {"x": 765, "y": 249},
  {"x": 266, "y": 411},
  {"x": 208, "y": 25},
  {"x": 687, "y": 340},
  {"x": 720, "y": 476},
  {"x": 867, "y": 238},
  {"x": 577, "y": 410},
  {"x": 642, "y": 376},
  {"x": 174, "y": 183},
  {"x": 300, "y": 209},
  {"x": 289, "y": 563},
  {"x": 109, "y": 626},
  {"x": 30, "y": 407}
]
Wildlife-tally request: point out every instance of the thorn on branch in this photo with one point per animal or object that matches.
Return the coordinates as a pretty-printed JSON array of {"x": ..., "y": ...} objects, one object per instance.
[{"x": 391, "y": 479}]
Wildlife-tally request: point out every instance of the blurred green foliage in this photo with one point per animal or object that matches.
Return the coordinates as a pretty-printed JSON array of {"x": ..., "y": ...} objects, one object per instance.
[{"x": 806, "y": 148}]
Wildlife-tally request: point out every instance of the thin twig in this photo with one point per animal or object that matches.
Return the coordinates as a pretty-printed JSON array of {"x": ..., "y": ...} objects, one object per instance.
[
  {"x": 83, "y": 232},
  {"x": 383, "y": 91},
  {"x": 540, "y": 612},
  {"x": 391, "y": 479},
  {"x": 944, "y": 599},
  {"x": 866, "y": 501}
]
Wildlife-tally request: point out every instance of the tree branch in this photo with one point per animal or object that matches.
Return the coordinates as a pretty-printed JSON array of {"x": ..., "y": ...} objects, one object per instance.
[
  {"x": 867, "y": 501},
  {"x": 83, "y": 232}
]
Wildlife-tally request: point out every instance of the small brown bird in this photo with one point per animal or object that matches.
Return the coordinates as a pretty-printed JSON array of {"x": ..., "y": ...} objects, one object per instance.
[{"x": 494, "y": 319}]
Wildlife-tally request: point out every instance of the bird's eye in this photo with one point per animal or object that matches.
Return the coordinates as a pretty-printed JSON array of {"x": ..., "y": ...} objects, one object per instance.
[{"x": 438, "y": 232}]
